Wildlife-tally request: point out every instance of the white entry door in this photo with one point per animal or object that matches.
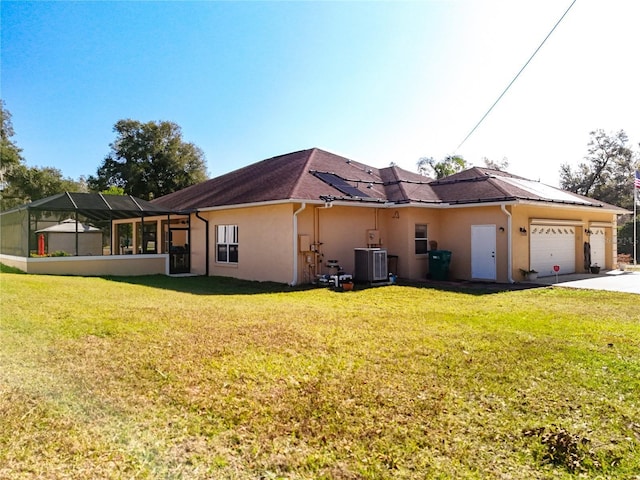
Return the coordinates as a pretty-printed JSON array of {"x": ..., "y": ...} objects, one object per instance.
[{"x": 483, "y": 252}]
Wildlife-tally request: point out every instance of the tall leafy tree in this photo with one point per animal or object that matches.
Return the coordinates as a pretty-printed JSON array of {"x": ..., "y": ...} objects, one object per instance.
[
  {"x": 607, "y": 172},
  {"x": 19, "y": 183},
  {"x": 148, "y": 160},
  {"x": 27, "y": 184},
  {"x": 443, "y": 168},
  {"x": 10, "y": 154}
]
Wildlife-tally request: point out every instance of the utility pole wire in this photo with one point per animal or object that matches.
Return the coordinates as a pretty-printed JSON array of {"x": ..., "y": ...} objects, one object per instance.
[{"x": 516, "y": 77}]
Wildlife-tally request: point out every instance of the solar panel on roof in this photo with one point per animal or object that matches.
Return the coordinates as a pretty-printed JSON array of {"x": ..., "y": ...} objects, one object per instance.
[{"x": 340, "y": 184}]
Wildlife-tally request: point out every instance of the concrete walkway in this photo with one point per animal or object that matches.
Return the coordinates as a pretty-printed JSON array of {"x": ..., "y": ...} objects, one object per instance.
[{"x": 612, "y": 280}]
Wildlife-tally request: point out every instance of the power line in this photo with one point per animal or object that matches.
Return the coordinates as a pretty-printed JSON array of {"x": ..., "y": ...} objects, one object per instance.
[{"x": 517, "y": 75}]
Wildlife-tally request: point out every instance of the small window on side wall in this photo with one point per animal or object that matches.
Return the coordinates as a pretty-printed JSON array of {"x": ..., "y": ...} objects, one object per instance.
[
  {"x": 227, "y": 243},
  {"x": 421, "y": 239}
]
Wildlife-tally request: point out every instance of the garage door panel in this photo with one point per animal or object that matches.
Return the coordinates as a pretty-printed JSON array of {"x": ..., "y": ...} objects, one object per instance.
[{"x": 553, "y": 245}]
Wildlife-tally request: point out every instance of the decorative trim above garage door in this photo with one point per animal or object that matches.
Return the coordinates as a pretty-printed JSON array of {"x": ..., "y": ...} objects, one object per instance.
[{"x": 547, "y": 221}]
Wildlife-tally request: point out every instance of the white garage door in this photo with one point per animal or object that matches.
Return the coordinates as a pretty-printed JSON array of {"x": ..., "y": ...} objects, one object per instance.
[
  {"x": 553, "y": 245},
  {"x": 597, "y": 241}
]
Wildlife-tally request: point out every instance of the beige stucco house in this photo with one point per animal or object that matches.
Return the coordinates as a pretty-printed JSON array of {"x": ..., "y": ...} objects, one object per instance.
[
  {"x": 290, "y": 218},
  {"x": 295, "y": 217}
]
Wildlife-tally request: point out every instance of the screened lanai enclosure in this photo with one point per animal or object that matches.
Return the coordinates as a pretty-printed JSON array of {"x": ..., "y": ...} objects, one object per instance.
[{"x": 111, "y": 234}]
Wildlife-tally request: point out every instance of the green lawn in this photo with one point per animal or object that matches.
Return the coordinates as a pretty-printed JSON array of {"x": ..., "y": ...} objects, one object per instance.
[{"x": 200, "y": 378}]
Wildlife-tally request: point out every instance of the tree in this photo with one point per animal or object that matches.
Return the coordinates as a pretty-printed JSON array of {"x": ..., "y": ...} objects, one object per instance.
[
  {"x": 113, "y": 190},
  {"x": 625, "y": 239},
  {"x": 439, "y": 169},
  {"x": 10, "y": 154},
  {"x": 20, "y": 184},
  {"x": 149, "y": 160},
  {"x": 607, "y": 172},
  {"x": 501, "y": 165},
  {"x": 26, "y": 184}
]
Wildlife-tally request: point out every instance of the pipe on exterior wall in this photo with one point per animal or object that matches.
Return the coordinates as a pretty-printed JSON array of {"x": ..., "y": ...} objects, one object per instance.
[
  {"x": 294, "y": 280},
  {"x": 316, "y": 229},
  {"x": 509, "y": 259},
  {"x": 206, "y": 241}
]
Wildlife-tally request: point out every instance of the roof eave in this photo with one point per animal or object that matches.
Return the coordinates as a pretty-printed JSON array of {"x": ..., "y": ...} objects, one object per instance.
[
  {"x": 561, "y": 204},
  {"x": 257, "y": 204},
  {"x": 382, "y": 203}
]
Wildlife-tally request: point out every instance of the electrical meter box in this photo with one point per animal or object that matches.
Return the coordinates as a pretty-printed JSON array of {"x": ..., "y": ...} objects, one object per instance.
[{"x": 304, "y": 243}]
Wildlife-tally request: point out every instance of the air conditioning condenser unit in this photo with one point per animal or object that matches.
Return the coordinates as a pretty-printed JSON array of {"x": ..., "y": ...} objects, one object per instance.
[{"x": 371, "y": 265}]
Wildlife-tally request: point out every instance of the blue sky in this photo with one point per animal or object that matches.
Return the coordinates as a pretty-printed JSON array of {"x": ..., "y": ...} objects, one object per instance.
[{"x": 378, "y": 82}]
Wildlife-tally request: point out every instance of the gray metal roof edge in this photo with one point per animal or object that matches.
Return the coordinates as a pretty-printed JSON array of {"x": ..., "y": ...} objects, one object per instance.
[{"x": 41, "y": 205}]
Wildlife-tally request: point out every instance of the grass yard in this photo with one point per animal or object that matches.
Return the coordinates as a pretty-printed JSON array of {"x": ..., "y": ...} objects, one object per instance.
[{"x": 199, "y": 378}]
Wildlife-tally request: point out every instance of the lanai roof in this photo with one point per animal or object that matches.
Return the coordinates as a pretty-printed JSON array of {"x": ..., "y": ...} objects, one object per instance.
[
  {"x": 96, "y": 206},
  {"x": 317, "y": 175}
]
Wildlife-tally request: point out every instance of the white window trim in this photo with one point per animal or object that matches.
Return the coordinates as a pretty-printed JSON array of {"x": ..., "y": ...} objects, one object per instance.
[
  {"x": 421, "y": 239},
  {"x": 230, "y": 234}
]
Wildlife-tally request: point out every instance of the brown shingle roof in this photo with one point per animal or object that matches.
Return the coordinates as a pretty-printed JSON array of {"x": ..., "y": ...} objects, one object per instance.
[
  {"x": 315, "y": 174},
  {"x": 480, "y": 185},
  {"x": 295, "y": 176},
  {"x": 271, "y": 179}
]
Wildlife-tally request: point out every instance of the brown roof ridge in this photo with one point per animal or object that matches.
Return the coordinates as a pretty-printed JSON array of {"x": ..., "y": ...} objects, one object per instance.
[
  {"x": 498, "y": 173},
  {"x": 476, "y": 174},
  {"x": 396, "y": 170},
  {"x": 310, "y": 153},
  {"x": 496, "y": 183},
  {"x": 451, "y": 181},
  {"x": 401, "y": 185},
  {"x": 252, "y": 165}
]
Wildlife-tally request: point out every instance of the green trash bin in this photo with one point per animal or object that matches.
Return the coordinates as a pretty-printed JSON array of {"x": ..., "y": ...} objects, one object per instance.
[{"x": 439, "y": 261}]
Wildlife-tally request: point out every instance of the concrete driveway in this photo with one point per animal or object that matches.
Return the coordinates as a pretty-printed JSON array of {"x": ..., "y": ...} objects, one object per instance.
[{"x": 612, "y": 280}]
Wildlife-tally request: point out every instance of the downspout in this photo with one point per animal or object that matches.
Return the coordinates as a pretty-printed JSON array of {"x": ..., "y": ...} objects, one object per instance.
[
  {"x": 509, "y": 259},
  {"x": 206, "y": 241},
  {"x": 294, "y": 281}
]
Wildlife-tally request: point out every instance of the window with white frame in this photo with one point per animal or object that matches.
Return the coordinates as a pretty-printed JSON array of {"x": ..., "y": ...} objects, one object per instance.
[
  {"x": 227, "y": 243},
  {"x": 421, "y": 240}
]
